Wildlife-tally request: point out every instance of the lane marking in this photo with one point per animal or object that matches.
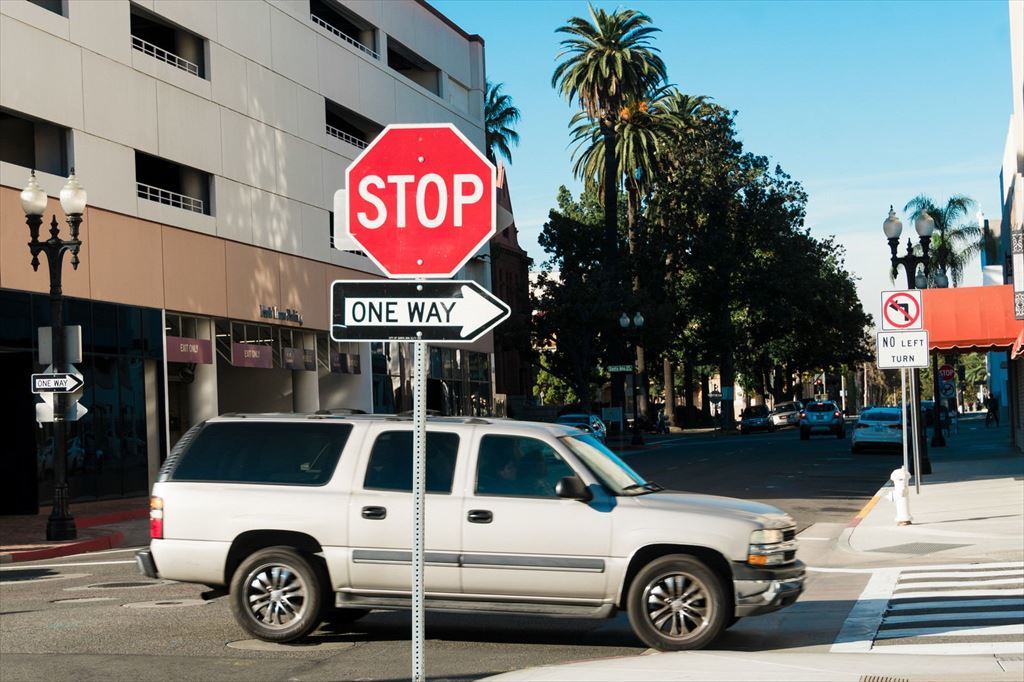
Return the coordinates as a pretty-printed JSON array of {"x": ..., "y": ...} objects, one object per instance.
[
  {"x": 805, "y": 537},
  {"x": 959, "y": 583},
  {"x": 956, "y": 603},
  {"x": 952, "y": 648},
  {"x": 867, "y": 508},
  {"x": 858, "y": 631},
  {"x": 1014, "y": 629},
  {"x": 1019, "y": 592},
  {"x": 963, "y": 574},
  {"x": 973, "y": 615}
]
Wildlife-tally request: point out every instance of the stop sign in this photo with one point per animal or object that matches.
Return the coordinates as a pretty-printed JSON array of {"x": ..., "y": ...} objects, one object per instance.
[
  {"x": 420, "y": 200},
  {"x": 946, "y": 372}
]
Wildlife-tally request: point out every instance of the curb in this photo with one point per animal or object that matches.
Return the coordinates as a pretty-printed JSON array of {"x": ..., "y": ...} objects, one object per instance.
[
  {"x": 94, "y": 544},
  {"x": 843, "y": 541}
]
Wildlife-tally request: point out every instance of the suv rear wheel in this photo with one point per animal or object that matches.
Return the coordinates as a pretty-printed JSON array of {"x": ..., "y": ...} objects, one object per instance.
[
  {"x": 676, "y": 603},
  {"x": 277, "y": 594}
]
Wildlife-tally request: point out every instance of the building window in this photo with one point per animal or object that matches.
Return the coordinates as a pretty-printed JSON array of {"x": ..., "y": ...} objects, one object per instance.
[
  {"x": 343, "y": 25},
  {"x": 348, "y": 126},
  {"x": 33, "y": 143},
  {"x": 414, "y": 67},
  {"x": 170, "y": 183},
  {"x": 55, "y": 6},
  {"x": 168, "y": 43}
]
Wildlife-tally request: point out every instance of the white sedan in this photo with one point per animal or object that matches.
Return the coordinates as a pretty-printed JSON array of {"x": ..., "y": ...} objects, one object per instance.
[{"x": 878, "y": 427}]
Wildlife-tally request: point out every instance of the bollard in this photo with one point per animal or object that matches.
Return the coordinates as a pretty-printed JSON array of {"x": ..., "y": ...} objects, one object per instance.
[{"x": 901, "y": 496}]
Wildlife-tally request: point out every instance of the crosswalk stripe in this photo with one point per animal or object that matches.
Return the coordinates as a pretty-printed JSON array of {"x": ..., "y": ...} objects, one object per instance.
[
  {"x": 961, "y": 574},
  {"x": 945, "y": 615},
  {"x": 1010, "y": 592},
  {"x": 952, "y": 648},
  {"x": 955, "y": 602},
  {"x": 1010, "y": 629},
  {"x": 961, "y": 583}
]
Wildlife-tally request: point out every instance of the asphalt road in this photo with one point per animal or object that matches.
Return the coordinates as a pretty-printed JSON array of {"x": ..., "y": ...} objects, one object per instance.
[
  {"x": 816, "y": 480},
  {"x": 92, "y": 617}
]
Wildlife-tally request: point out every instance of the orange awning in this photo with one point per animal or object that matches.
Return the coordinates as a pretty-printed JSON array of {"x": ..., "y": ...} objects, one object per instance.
[{"x": 971, "y": 318}]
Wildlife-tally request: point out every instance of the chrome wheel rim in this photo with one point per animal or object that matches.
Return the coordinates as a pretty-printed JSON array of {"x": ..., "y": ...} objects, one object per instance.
[
  {"x": 677, "y": 605},
  {"x": 276, "y": 595}
]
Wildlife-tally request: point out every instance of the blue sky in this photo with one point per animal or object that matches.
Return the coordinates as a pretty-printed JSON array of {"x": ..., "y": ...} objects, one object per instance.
[{"x": 866, "y": 103}]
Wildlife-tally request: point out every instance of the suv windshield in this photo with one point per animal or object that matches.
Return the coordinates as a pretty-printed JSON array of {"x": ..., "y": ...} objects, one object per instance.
[{"x": 612, "y": 472}]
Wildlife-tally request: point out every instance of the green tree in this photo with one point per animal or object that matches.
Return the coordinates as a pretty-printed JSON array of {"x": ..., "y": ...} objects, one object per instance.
[
  {"x": 500, "y": 118},
  {"x": 572, "y": 318},
  {"x": 962, "y": 242}
]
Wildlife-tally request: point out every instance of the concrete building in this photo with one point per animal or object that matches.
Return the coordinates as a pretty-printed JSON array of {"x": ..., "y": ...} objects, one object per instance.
[{"x": 211, "y": 137}]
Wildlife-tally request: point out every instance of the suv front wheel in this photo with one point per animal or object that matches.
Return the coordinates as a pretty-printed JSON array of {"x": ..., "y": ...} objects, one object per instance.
[
  {"x": 277, "y": 595},
  {"x": 676, "y": 603}
]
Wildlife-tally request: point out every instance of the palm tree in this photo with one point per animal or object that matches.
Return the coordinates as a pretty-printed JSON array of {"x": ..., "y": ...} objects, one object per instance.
[
  {"x": 956, "y": 243},
  {"x": 608, "y": 60},
  {"x": 500, "y": 115},
  {"x": 644, "y": 127}
]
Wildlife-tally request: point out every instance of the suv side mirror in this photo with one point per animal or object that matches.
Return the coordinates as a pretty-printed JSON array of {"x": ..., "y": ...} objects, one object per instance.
[{"x": 572, "y": 488}]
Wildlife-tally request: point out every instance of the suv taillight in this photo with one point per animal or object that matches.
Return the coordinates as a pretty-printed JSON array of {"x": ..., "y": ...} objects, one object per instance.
[
  {"x": 837, "y": 414},
  {"x": 803, "y": 415},
  {"x": 156, "y": 518}
]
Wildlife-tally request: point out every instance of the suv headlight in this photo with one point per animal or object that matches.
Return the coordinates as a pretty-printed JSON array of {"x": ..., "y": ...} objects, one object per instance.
[{"x": 772, "y": 547}]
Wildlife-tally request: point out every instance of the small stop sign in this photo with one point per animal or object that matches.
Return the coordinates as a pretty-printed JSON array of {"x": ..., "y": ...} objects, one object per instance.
[
  {"x": 420, "y": 200},
  {"x": 946, "y": 372}
]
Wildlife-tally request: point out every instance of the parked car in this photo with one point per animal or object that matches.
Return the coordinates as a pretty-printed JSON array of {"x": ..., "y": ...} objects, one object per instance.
[
  {"x": 588, "y": 422},
  {"x": 822, "y": 416},
  {"x": 928, "y": 414},
  {"x": 756, "y": 418},
  {"x": 786, "y": 414},
  {"x": 304, "y": 518},
  {"x": 878, "y": 427}
]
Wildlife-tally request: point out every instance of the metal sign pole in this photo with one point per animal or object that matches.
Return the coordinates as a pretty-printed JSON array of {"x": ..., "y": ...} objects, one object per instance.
[
  {"x": 419, "y": 418},
  {"x": 903, "y": 412},
  {"x": 916, "y": 437}
]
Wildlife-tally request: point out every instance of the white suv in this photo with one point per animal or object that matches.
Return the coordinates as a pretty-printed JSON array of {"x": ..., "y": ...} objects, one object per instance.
[{"x": 305, "y": 519}]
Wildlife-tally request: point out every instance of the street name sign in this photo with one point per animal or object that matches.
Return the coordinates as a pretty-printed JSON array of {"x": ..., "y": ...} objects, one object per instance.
[
  {"x": 386, "y": 310},
  {"x": 620, "y": 368},
  {"x": 898, "y": 350},
  {"x": 61, "y": 382},
  {"x": 420, "y": 200},
  {"x": 902, "y": 311}
]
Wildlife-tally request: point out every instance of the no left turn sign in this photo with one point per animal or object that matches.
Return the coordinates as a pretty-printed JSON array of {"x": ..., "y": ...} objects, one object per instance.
[{"x": 902, "y": 310}]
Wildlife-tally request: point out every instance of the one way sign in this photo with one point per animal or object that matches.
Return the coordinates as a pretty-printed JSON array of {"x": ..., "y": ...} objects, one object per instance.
[
  {"x": 61, "y": 382},
  {"x": 387, "y": 310}
]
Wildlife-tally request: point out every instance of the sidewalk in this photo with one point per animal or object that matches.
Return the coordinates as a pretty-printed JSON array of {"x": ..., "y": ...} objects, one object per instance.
[
  {"x": 23, "y": 538},
  {"x": 970, "y": 509}
]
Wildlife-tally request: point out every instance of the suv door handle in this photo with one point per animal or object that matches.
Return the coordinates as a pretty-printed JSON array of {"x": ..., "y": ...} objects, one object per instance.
[
  {"x": 479, "y": 516},
  {"x": 375, "y": 513}
]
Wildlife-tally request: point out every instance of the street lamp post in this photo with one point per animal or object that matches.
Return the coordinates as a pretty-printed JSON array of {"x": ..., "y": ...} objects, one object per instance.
[
  {"x": 60, "y": 525},
  {"x": 632, "y": 329},
  {"x": 940, "y": 281},
  {"x": 924, "y": 226}
]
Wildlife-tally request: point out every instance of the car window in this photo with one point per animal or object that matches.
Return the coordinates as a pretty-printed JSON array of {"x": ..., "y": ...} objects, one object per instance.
[
  {"x": 264, "y": 452},
  {"x": 390, "y": 465},
  {"x": 880, "y": 416},
  {"x": 821, "y": 407},
  {"x": 518, "y": 466}
]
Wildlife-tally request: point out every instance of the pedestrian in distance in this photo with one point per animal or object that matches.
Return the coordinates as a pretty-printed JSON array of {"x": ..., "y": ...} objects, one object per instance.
[{"x": 992, "y": 410}]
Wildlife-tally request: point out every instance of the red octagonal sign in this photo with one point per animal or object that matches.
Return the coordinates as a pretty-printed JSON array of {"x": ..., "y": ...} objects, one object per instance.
[{"x": 420, "y": 200}]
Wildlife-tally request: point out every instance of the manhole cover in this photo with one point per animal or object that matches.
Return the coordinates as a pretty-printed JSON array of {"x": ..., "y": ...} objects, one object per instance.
[
  {"x": 36, "y": 576},
  {"x": 917, "y": 548},
  {"x": 81, "y": 600},
  {"x": 124, "y": 585},
  {"x": 307, "y": 645},
  {"x": 165, "y": 604}
]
